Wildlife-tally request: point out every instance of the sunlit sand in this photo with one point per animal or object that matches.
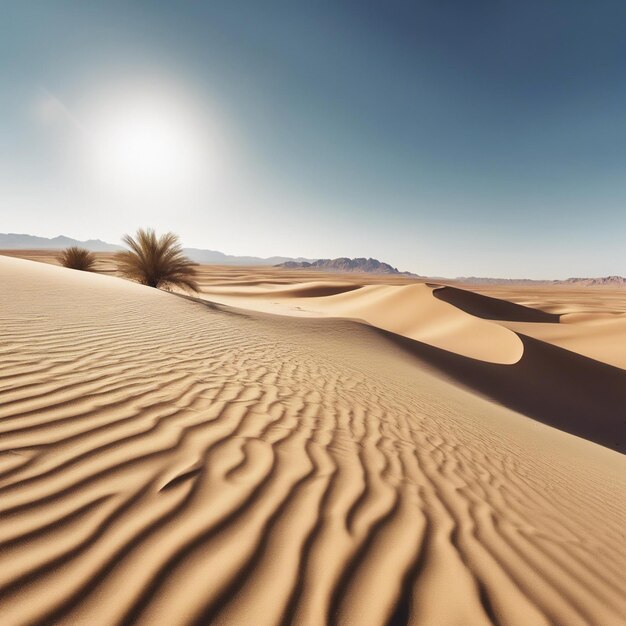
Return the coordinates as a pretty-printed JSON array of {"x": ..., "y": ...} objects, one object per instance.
[{"x": 302, "y": 448}]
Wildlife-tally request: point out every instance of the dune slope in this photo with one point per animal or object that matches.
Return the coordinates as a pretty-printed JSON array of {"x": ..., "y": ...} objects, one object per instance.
[
  {"x": 407, "y": 310},
  {"x": 568, "y": 374},
  {"x": 166, "y": 461}
]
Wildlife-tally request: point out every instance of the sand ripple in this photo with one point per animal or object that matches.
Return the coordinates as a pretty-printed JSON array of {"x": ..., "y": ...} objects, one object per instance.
[{"x": 164, "y": 461}]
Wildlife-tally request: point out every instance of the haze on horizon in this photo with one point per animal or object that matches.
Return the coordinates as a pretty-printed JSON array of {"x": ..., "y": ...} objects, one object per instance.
[{"x": 446, "y": 138}]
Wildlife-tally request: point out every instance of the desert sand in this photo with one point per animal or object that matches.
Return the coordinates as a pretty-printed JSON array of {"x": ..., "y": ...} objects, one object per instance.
[{"x": 289, "y": 447}]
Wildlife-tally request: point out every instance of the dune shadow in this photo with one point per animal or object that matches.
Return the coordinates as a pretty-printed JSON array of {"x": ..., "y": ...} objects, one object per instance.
[
  {"x": 217, "y": 307},
  {"x": 318, "y": 291},
  {"x": 490, "y": 308},
  {"x": 552, "y": 385}
]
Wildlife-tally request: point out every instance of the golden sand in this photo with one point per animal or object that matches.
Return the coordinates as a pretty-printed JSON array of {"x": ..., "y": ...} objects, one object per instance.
[{"x": 367, "y": 458}]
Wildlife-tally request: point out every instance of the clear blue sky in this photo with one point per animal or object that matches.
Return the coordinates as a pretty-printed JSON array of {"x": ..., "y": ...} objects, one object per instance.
[{"x": 446, "y": 137}]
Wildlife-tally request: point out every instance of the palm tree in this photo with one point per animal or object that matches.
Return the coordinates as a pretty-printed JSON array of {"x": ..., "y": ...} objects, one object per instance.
[
  {"x": 77, "y": 259},
  {"x": 156, "y": 261}
]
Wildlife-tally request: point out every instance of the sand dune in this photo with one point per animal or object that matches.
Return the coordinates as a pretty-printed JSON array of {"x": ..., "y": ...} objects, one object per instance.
[
  {"x": 569, "y": 375},
  {"x": 592, "y": 321},
  {"x": 490, "y": 308},
  {"x": 408, "y": 310},
  {"x": 169, "y": 461},
  {"x": 555, "y": 386}
]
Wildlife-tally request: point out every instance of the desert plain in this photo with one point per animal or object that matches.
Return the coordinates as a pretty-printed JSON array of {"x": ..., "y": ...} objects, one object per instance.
[{"x": 293, "y": 447}]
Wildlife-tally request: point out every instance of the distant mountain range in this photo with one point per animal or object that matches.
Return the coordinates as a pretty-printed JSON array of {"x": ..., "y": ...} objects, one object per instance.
[
  {"x": 210, "y": 257},
  {"x": 213, "y": 257},
  {"x": 14, "y": 241},
  {"x": 612, "y": 281},
  {"x": 609, "y": 281},
  {"x": 344, "y": 264}
]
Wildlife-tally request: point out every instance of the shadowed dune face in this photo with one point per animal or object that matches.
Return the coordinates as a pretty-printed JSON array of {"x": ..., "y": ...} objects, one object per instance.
[
  {"x": 168, "y": 461},
  {"x": 562, "y": 300},
  {"x": 318, "y": 289},
  {"x": 492, "y": 308},
  {"x": 555, "y": 386},
  {"x": 408, "y": 310}
]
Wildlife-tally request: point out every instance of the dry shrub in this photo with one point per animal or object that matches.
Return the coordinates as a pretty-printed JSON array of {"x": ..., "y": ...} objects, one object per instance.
[
  {"x": 77, "y": 259},
  {"x": 156, "y": 261}
]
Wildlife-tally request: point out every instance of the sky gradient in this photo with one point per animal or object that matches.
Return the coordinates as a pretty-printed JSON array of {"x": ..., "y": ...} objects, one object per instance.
[{"x": 446, "y": 137}]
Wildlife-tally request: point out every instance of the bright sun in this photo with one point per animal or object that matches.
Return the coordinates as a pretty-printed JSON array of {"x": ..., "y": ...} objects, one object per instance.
[{"x": 146, "y": 145}]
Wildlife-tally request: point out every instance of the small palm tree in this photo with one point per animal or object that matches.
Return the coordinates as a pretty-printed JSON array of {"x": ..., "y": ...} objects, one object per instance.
[
  {"x": 156, "y": 261},
  {"x": 77, "y": 259}
]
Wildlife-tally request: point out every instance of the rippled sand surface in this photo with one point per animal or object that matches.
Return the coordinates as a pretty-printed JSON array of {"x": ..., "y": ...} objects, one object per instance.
[{"x": 165, "y": 460}]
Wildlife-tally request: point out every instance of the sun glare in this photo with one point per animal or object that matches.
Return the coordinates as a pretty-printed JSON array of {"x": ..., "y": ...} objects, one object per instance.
[{"x": 145, "y": 145}]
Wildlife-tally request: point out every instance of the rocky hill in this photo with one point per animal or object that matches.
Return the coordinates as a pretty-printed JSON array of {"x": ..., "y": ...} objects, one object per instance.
[
  {"x": 609, "y": 281},
  {"x": 344, "y": 264}
]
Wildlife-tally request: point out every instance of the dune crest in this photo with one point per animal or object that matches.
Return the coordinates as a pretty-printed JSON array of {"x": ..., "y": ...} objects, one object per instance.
[
  {"x": 408, "y": 310},
  {"x": 167, "y": 461}
]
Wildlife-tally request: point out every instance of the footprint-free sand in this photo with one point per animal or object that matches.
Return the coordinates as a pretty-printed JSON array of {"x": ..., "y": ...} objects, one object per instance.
[{"x": 288, "y": 449}]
